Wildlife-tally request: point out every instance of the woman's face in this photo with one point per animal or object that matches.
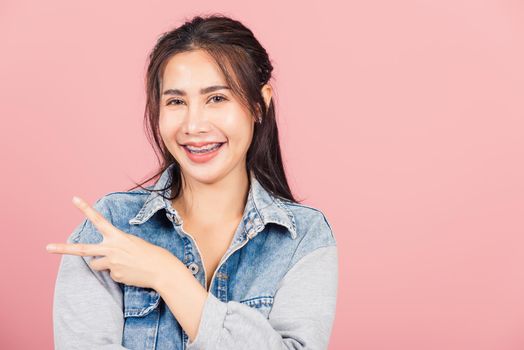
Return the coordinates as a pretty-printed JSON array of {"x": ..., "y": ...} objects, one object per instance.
[{"x": 197, "y": 107}]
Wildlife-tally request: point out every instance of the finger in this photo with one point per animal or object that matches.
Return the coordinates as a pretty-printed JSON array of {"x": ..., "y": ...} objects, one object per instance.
[
  {"x": 99, "y": 264},
  {"x": 77, "y": 249},
  {"x": 98, "y": 220}
]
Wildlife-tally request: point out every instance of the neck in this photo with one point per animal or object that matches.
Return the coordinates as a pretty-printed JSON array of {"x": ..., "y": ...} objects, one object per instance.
[{"x": 208, "y": 204}]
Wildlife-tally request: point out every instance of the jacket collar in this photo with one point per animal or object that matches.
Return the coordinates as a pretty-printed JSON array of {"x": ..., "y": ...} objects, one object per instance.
[{"x": 261, "y": 207}]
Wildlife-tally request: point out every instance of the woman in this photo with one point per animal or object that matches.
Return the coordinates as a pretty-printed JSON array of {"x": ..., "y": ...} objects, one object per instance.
[{"x": 217, "y": 254}]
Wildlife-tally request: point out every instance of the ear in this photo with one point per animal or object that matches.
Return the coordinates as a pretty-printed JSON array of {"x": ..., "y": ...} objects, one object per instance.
[{"x": 267, "y": 92}]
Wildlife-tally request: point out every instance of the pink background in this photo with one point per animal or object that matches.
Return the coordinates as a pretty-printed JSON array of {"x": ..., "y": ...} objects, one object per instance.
[{"x": 402, "y": 120}]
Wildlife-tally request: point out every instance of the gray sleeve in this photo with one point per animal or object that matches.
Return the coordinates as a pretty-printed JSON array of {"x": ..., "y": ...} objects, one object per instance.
[
  {"x": 87, "y": 305},
  {"x": 301, "y": 317}
]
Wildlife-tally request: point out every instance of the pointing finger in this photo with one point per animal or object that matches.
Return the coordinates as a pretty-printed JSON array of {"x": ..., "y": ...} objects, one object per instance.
[{"x": 77, "y": 249}]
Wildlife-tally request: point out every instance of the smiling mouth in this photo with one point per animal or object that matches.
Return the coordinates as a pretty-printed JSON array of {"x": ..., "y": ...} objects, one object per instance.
[
  {"x": 203, "y": 150},
  {"x": 209, "y": 148}
]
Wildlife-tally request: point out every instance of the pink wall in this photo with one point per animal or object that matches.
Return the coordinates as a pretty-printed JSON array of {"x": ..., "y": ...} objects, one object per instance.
[{"x": 402, "y": 120}]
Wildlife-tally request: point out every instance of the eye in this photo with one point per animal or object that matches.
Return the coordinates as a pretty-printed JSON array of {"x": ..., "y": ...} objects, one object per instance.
[
  {"x": 220, "y": 98},
  {"x": 173, "y": 100},
  {"x": 215, "y": 98}
]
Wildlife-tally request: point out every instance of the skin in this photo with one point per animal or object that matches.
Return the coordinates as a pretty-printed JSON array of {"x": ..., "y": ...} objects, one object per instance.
[{"x": 213, "y": 195}]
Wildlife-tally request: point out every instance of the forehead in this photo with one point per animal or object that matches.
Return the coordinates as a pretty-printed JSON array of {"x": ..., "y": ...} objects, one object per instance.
[{"x": 192, "y": 68}]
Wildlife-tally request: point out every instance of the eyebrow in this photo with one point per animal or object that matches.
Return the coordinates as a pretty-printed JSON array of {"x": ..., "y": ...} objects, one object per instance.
[{"x": 202, "y": 91}]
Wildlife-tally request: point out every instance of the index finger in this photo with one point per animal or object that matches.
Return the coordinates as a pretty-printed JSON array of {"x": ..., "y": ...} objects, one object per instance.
[{"x": 81, "y": 249}]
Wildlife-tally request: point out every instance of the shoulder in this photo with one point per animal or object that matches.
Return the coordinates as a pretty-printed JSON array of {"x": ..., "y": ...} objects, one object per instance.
[
  {"x": 118, "y": 197},
  {"x": 310, "y": 221},
  {"x": 312, "y": 226},
  {"x": 114, "y": 200}
]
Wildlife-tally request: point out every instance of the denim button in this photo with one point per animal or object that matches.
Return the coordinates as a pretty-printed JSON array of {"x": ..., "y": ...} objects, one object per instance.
[{"x": 193, "y": 267}]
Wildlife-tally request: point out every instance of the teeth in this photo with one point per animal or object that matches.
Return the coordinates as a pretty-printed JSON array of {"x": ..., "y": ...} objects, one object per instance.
[
  {"x": 208, "y": 146},
  {"x": 203, "y": 149}
]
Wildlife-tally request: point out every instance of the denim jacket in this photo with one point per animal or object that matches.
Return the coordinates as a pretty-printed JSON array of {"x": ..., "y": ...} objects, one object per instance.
[{"x": 274, "y": 288}]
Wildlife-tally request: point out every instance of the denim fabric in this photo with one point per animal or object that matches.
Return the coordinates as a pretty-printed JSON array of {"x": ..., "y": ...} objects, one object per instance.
[{"x": 273, "y": 235}]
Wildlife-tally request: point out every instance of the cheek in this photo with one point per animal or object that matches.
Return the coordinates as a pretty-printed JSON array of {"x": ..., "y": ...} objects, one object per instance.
[
  {"x": 168, "y": 125},
  {"x": 164, "y": 132},
  {"x": 237, "y": 126},
  {"x": 241, "y": 138}
]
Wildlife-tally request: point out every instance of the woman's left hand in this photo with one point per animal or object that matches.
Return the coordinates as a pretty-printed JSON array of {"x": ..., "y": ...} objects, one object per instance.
[{"x": 130, "y": 259}]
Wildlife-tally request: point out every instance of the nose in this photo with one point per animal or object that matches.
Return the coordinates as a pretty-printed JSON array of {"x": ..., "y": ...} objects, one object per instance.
[{"x": 195, "y": 120}]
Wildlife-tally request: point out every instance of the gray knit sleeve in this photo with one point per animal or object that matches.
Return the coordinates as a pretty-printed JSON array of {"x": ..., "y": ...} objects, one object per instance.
[
  {"x": 87, "y": 305},
  {"x": 301, "y": 317}
]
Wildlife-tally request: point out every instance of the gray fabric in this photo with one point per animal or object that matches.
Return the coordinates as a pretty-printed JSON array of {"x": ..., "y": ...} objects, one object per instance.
[
  {"x": 87, "y": 307},
  {"x": 87, "y": 310}
]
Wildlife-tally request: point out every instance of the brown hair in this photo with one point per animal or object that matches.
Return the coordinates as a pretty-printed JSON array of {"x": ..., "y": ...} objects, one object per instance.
[{"x": 247, "y": 67}]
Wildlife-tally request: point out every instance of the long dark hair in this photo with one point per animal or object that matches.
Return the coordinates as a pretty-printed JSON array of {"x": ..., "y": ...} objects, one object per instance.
[{"x": 247, "y": 67}]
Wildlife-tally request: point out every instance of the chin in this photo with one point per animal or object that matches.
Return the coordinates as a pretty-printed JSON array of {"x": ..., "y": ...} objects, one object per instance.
[{"x": 205, "y": 175}]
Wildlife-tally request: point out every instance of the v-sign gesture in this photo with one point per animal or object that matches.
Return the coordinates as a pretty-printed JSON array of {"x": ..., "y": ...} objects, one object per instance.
[{"x": 130, "y": 259}]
